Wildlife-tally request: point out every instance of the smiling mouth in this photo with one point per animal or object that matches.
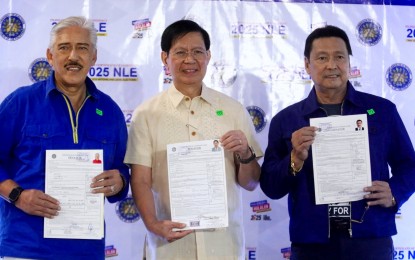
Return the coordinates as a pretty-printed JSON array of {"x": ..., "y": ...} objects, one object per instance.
[
  {"x": 73, "y": 67},
  {"x": 190, "y": 70},
  {"x": 332, "y": 76}
]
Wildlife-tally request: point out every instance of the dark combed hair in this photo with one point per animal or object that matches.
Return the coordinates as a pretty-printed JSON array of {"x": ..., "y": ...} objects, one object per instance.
[
  {"x": 180, "y": 28},
  {"x": 325, "y": 32}
]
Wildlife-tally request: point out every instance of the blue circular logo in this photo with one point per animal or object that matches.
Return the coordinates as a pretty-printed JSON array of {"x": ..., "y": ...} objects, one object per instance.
[
  {"x": 258, "y": 117},
  {"x": 12, "y": 27},
  {"x": 399, "y": 76},
  {"x": 369, "y": 32},
  {"x": 39, "y": 70},
  {"x": 127, "y": 211}
]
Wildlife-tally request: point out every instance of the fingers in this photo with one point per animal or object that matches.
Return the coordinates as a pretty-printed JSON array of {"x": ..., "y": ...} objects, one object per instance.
[
  {"x": 108, "y": 182},
  {"x": 176, "y": 235},
  {"x": 173, "y": 234},
  {"x": 380, "y": 194},
  {"x": 235, "y": 141},
  {"x": 35, "y": 202},
  {"x": 301, "y": 141},
  {"x": 169, "y": 230},
  {"x": 303, "y": 137}
]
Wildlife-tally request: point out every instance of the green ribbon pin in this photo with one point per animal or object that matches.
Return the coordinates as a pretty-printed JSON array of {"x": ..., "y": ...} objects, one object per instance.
[{"x": 371, "y": 112}]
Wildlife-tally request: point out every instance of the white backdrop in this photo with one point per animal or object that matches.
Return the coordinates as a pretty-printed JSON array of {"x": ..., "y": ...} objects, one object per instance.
[{"x": 257, "y": 58}]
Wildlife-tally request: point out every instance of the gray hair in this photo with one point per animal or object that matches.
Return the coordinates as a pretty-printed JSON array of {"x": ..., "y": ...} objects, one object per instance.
[{"x": 79, "y": 21}]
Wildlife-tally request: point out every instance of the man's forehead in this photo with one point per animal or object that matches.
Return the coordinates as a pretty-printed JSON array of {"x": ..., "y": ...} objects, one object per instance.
[
  {"x": 192, "y": 39},
  {"x": 75, "y": 43},
  {"x": 74, "y": 35},
  {"x": 334, "y": 43}
]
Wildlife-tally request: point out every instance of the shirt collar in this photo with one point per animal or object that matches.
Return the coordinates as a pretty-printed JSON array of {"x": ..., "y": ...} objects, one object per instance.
[
  {"x": 311, "y": 103},
  {"x": 176, "y": 96},
  {"x": 90, "y": 86}
]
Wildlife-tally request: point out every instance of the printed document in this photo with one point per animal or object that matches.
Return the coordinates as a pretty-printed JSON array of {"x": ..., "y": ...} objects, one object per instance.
[
  {"x": 197, "y": 184},
  {"x": 68, "y": 176},
  {"x": 341, "y": 159}
]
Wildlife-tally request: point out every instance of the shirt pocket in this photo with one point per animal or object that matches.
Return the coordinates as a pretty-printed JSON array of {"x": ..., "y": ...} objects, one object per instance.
[
  {"x": 106, "y": 141},
  {"x": 43, "y": 137},
  {"x": 35, "y": 139},
  {"x": 379, "y": 143}
]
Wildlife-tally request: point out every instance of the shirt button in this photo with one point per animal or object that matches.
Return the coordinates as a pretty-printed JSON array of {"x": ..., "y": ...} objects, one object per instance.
[
  {"x": 192, "y": 112},
  {"x": 187, "y": 99},
  {"x": 193, "y": 133}
]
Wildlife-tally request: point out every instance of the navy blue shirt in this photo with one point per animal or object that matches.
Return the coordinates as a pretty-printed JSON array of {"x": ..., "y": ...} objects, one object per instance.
[
  {"x": 389, "y": 145},
  {"x": 36, "y": 118}
]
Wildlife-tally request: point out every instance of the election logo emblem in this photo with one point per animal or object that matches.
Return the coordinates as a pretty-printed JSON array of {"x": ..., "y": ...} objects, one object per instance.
[
  {"x": 110, "y": 251},
  {"x": 224, "y": 75},
  {"x": 369, "y": 32},
  {"x": 399, "y": 76},
  {"x": 39, "y": 70},
  {"x": 127, "y": 211},
  {"x": 258, "y": 117},
  {"x": 12, "y": 27},
  {"x": 142, "y": 27}
]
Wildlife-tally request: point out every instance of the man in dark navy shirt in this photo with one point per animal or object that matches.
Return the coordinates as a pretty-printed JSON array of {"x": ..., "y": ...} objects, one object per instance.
[{"x": 351, "y": 230}]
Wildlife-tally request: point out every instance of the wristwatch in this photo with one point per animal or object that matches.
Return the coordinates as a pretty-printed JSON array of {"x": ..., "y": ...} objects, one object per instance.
[
  {"x": 15, "y": 194},
  {"x": 247, "y": 160}
]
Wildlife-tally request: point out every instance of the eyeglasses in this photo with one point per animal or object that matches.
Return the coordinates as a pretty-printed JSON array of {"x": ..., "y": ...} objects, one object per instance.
[
  {"x": 362, "y": 218},
  {"x": 197, "y": 54},
  {"x": 339, "y": 59}
]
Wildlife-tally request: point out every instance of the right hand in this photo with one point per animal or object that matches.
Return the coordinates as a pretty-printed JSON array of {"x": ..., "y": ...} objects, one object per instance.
[
  {"x": 165, "y": 229},
  {"x": 36, "y": 202},
  {"x": 301, "y": 141}
]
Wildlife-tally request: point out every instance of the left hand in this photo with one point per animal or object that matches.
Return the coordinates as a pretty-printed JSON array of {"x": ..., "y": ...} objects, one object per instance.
[
  {"x": 380, "y": 194},
  {"x": 235, "y": 141},
  {"x": 108, "y": 182}
]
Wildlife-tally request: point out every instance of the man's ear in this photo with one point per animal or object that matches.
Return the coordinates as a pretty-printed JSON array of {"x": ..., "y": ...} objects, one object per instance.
[
  {"x": 164, "y": 56},
  {"x": 94, "y": 59},
  {"x": 49, "y": 56},
  {"x": 306, "y": 64},
  {"x": 209, "y": 55}
]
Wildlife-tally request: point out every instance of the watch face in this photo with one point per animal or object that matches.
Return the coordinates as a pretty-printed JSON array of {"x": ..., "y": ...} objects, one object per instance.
[{"x": 14, "y": 194}]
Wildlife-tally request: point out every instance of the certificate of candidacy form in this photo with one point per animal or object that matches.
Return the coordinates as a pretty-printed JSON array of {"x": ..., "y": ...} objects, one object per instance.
[
  {"x": 341, "y": 159},
  {"x": 68, "y": 176},
  {"x": 197, "y": 184}
]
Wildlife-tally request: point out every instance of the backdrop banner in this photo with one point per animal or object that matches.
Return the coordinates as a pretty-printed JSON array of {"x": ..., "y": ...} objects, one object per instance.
[{"x": 257, "y": 58}]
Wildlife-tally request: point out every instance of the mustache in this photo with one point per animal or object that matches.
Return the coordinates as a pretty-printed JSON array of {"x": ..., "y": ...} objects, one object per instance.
[{"x": 73, "y": 63}]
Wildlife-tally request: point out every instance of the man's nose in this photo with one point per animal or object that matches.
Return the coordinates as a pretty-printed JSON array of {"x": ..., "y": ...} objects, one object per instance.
[
  {"x": 332, "y": 63},
  {"x": 189, "y": 57},
  {"x": 73, "y": 55}
]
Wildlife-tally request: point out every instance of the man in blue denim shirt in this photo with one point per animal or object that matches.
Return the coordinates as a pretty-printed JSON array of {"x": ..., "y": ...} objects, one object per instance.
[
  {"x": 365, "y": 231},
  {"x": 66, "y": 111}
]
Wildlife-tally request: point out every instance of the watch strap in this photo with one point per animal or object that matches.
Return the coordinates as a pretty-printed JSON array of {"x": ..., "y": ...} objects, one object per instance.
[
  {"x": 249, "y": 159},
  {"x": 15, "y": 194}
]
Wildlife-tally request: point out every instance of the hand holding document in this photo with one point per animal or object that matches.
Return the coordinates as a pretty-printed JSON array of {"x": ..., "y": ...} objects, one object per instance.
[
  {"x": 197, "y": 184},
  {"x": 68, "y": 176},
  {"x": 341, "y": 159}
]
